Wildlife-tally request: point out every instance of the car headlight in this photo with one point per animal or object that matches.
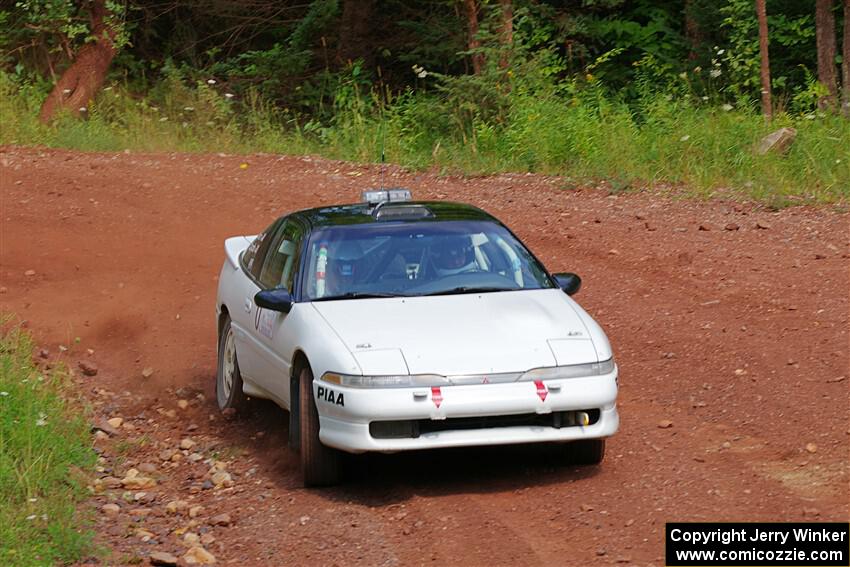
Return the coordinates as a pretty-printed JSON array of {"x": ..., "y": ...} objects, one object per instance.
[
  {"x": 431, "y": 380},
  {"x": 398, "y": 381},
  {"x": 571, "y": 371}
]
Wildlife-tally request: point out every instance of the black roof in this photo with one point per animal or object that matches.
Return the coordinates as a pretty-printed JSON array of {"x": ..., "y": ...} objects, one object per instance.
[{"x": 361, "y": 213}]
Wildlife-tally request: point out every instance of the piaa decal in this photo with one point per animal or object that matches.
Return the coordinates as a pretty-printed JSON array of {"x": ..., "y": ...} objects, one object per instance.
[{"x": 328, "y": 395}]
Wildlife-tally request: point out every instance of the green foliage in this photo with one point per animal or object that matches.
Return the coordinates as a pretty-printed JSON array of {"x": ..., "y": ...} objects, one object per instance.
[
  {"x": 39, "y": 36},
  {"x": 792, "y": 36},
  {"x": 45, "y": 453},
  {"x": 321, "y": 12},
  {"x": 289, "y": 52},
  {"x": 742, "y": 56},
  {"x": 807, "y": 98},
  {"x": 575, "y": 128},
  {"x": 429, "y": 34},
  {"x": 642, "y": 29},
  {"x": 55, "y": 17},
  {"x": 271, "y": 71}
]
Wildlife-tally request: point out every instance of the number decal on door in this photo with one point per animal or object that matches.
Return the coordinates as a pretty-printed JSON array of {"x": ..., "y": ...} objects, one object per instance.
[{"x": 264, "y": 322}]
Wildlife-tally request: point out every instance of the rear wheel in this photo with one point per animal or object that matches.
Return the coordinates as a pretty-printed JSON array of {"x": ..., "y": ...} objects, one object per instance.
[
  {"x": 228, "y": 380},
  {"x": 320, "y": 465}
]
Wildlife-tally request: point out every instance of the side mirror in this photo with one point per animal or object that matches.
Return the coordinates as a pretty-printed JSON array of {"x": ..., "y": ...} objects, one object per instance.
[
  {"x": 568, "y": 282},
  {"x": 274, "y": 299}
]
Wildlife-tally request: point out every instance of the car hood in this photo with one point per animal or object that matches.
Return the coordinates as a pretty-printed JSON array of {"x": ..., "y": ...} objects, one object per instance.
[{"x": 455, "y": 335}]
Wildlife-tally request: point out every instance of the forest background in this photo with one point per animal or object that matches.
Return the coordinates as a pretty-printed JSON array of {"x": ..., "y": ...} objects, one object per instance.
[{"x": 669, "y": 94}]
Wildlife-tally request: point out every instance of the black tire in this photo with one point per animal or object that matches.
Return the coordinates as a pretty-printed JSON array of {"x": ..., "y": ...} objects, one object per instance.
[
  {"x": 228, "y": 379},
  {"x": 585, "y": 452},
  {"x": 320, "y": 465},
  {"x": 295, "y": 412}
]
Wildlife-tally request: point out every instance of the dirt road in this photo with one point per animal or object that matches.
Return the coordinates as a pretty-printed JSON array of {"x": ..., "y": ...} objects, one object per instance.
[{"x": 728, "y": 321}]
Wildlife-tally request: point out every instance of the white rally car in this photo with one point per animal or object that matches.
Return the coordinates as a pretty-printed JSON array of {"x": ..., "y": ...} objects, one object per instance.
[{"x": 393, "y": 325}]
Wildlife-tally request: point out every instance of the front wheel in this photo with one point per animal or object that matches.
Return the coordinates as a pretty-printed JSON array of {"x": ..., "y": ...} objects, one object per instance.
[
  {"x": 320, "y": 465},
  {"x": 583, "y": 452},
  {"x": 228, "y": 380}
]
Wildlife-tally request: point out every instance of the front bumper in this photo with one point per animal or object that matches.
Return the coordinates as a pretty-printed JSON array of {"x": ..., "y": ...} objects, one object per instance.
[{"x": 346, "y": 413}]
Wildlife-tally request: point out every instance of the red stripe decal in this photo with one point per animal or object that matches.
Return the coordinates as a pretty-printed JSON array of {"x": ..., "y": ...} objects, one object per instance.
[
  {"x": 436, "y": 395},
  {"x": 541, "y": 390}
]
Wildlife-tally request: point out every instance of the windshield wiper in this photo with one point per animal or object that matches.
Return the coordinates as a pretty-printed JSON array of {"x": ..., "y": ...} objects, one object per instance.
[
  {"x": 469, "y": 289},
  {"x": 359, "y": 295}
]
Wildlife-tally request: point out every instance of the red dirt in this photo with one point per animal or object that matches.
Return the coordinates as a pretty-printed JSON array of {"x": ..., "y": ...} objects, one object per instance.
[{"x": 739, "y": 337}]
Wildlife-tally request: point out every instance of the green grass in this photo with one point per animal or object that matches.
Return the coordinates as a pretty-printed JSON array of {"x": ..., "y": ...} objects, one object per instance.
[
  {"x": 698, "y": 148},
  {"x": 45, "y": 456}
]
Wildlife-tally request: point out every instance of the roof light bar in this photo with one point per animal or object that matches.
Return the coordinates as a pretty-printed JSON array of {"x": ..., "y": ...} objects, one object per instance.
[
  {"x": 401, "y": 212},
  {"x": 377, "y": 196}
]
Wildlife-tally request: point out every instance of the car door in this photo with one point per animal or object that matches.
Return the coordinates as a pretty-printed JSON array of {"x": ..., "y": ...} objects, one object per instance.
[
  {"x": 274, "y": 340},
  {"x": 243, "y": 313}
]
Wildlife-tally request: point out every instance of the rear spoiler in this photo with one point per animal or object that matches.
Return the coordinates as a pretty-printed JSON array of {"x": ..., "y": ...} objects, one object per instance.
[{"x": 234, "y": 246}]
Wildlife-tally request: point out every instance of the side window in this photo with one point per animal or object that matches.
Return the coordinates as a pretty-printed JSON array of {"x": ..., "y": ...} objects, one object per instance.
[
  {"x": 252, "y": 258},
  {"x": 281, "y": 261}
]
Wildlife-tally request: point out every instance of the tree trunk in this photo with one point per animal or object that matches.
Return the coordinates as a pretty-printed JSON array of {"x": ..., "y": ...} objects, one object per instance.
[
  {"x": 79, "y": 84},
  {"x": 845, "y": 61},
  {"x": 825, "y": 35},
  {"x": 472, "y": 30},
  {"x": 507, "y": 33},
  {"x": 693, "y": 34},
  {"x": 354, "y": 41},
  {"x": 766, "y": 103}
]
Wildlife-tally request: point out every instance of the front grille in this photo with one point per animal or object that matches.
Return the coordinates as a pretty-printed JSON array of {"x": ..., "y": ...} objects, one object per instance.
[{"x": 411, "y": 429}]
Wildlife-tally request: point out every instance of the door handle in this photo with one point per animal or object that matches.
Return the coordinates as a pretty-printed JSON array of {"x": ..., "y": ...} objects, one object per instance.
[{"x": 248, "y": 304}]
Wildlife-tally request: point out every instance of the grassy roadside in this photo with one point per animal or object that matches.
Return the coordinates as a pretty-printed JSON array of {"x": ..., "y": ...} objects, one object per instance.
[
  {"x": 701, "y": 149},
  {"x": 45, "y": 449}
]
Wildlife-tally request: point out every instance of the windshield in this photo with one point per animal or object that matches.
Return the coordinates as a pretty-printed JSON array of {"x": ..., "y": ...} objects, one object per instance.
[{"x": 424, "y": 258}]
